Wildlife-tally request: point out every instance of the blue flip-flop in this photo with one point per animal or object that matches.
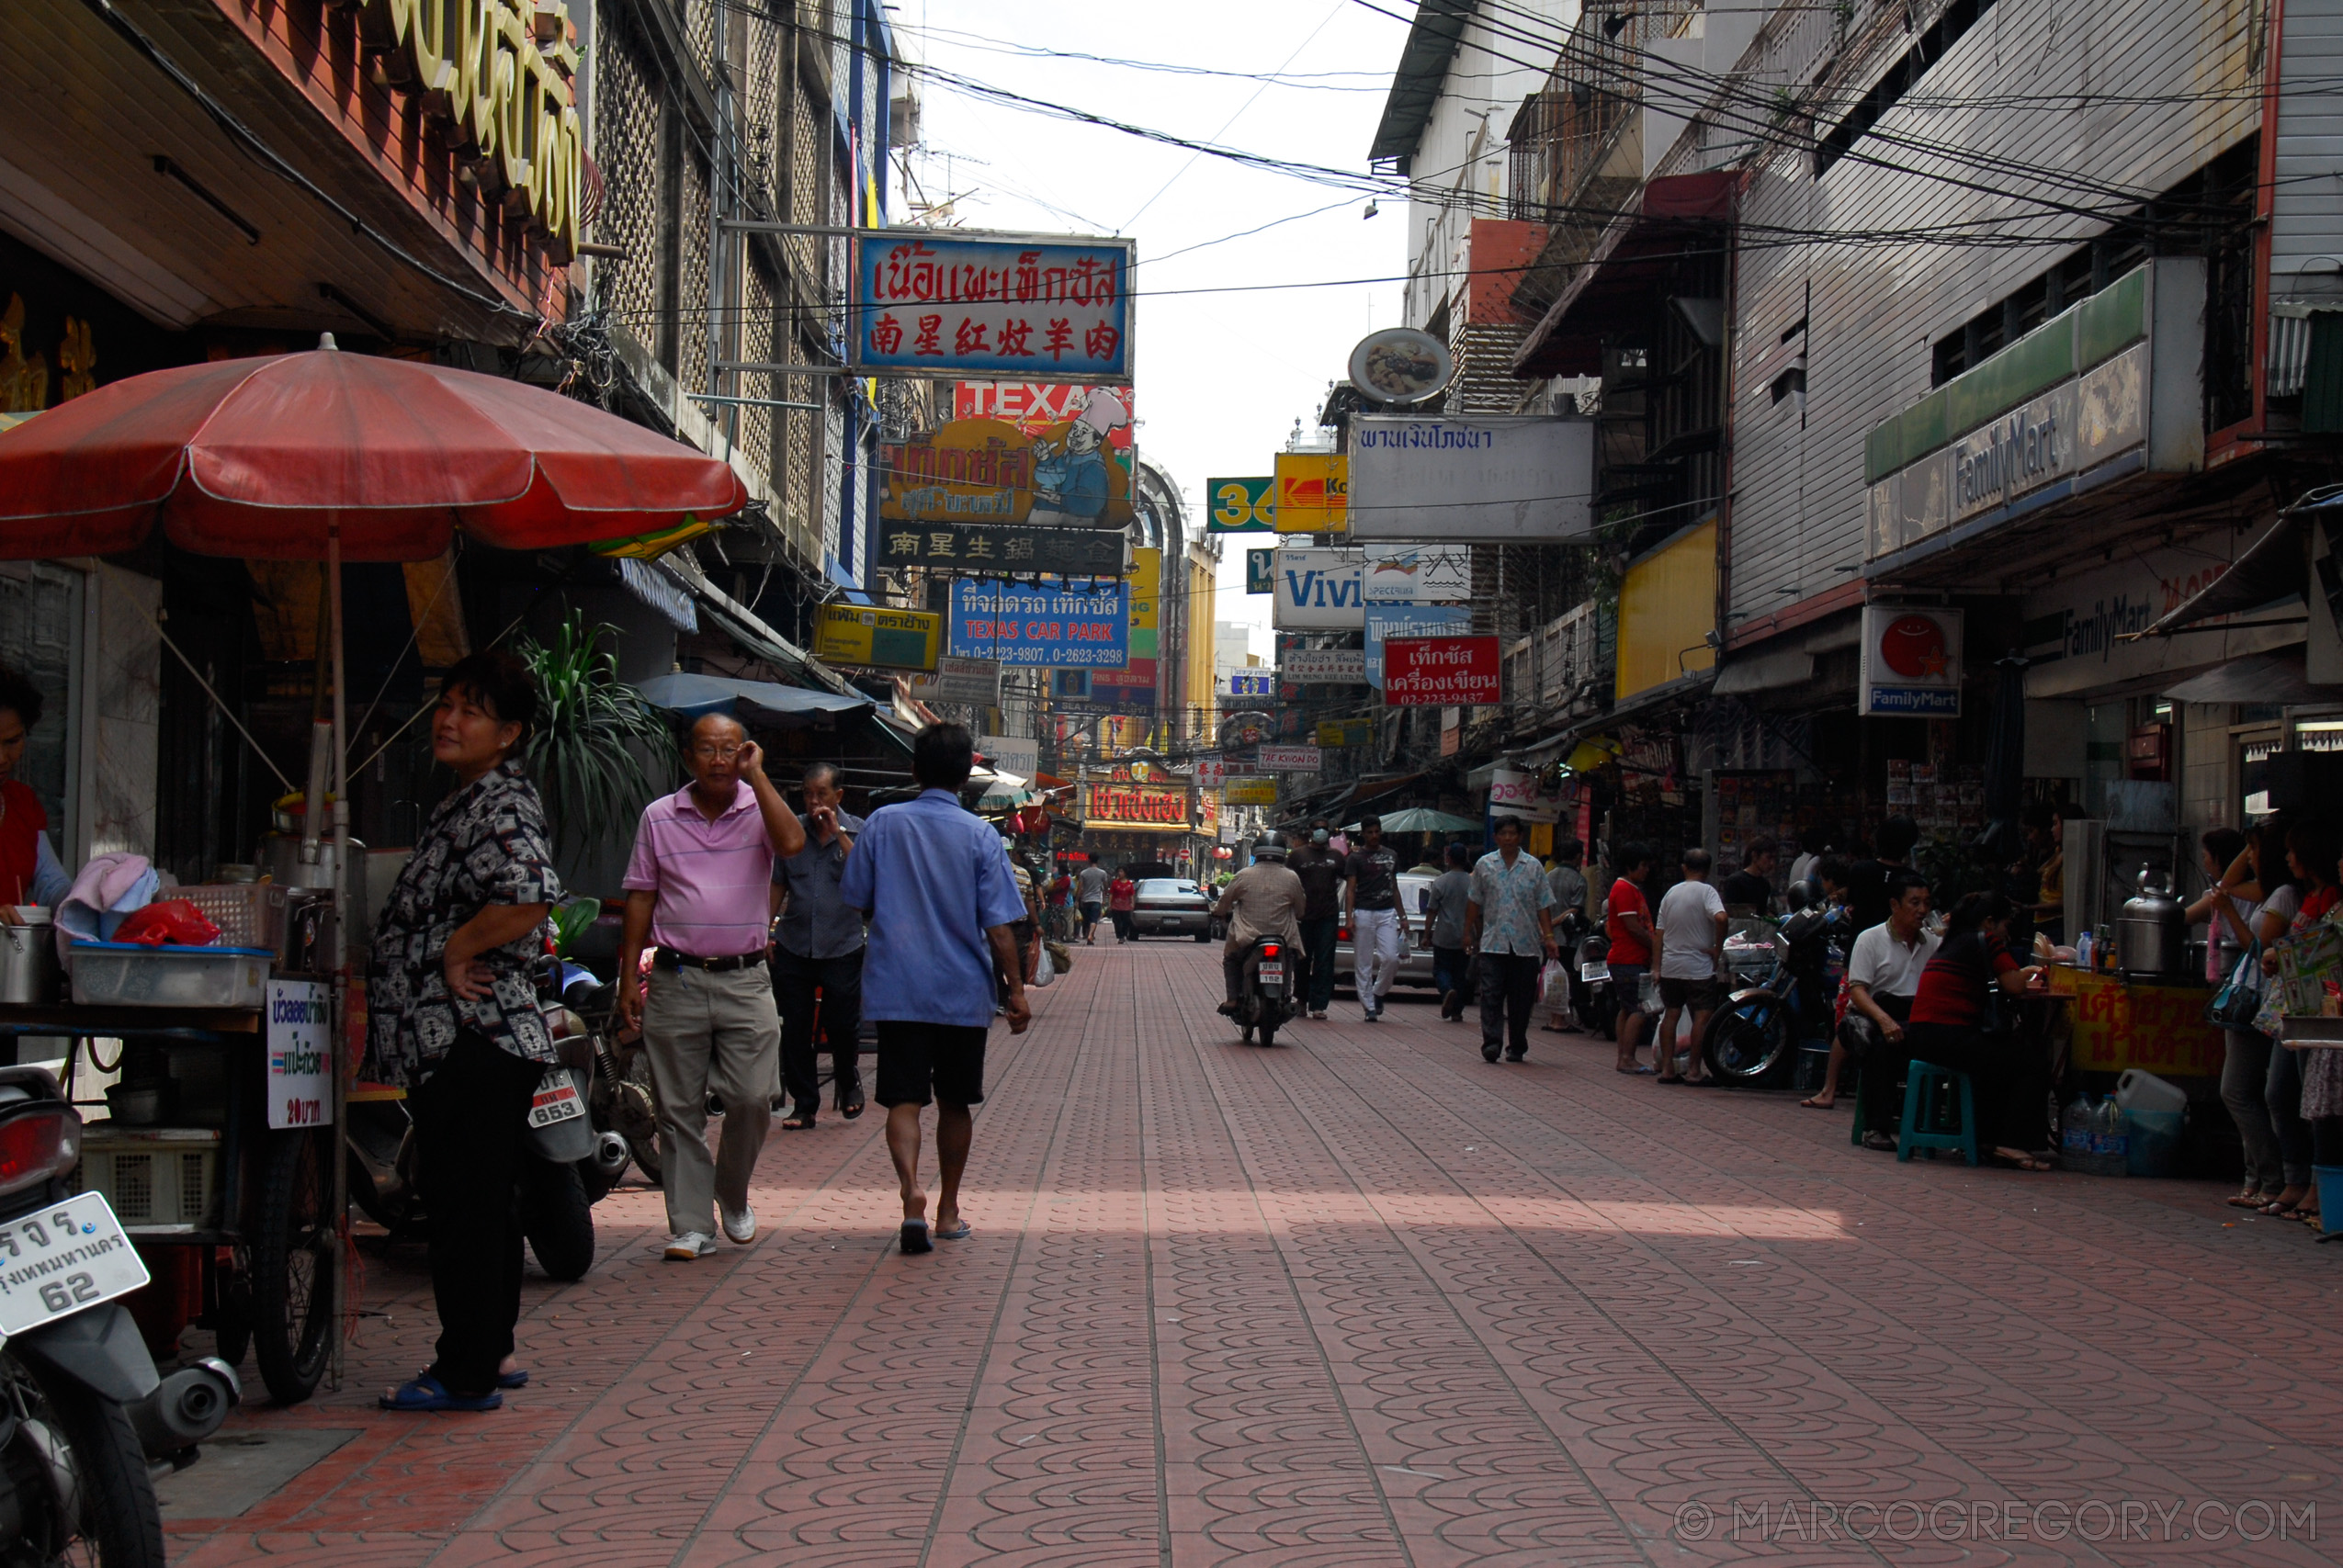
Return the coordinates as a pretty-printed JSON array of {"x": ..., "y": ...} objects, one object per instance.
[
  {"x": 956, "y": 1231},
  {"x": 517, "y": 1378},
  {"x": 915, "y": 1237},
  {"x": 424, "y": 1393}
]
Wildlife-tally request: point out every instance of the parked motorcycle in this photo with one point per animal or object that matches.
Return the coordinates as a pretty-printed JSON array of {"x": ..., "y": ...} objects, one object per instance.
[
  {"x": 1593, "y": 998},
  {"x": 1265, "y": 996},
  {"x": 1781, "y": 998},
  {"x": 85, "y": 1420}
]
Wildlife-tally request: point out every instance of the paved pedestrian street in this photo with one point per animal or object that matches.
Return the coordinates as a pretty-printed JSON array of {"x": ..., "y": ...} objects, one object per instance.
[{"x": 1360, "y": 1300}]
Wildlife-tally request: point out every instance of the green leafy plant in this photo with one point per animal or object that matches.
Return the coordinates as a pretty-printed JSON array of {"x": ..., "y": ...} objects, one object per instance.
[
  {"x": 572, "y": 919},
  {"x": 591, "y": 779}
]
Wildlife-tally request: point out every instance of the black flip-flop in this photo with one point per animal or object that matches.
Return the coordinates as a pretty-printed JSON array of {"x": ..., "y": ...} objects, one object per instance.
[
  {"x": 797, "y": 1123},
  {"x": 1665, "y": 1079},
  {"x": 850, "y": 1110},
  {"x": 915, "y": 1238}
]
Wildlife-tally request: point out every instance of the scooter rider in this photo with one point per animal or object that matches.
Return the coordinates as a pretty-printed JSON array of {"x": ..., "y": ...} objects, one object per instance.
[{"x": 1264, "y": 900}]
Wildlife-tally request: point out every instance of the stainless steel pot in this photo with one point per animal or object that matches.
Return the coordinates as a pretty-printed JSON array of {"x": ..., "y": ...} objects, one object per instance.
[
  {"x": 29, "y": 973},
  {"x": 2152, "y": 934}
]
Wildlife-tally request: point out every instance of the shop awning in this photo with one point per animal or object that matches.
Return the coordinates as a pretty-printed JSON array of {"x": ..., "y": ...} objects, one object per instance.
[
  {"x": 697, "y": 694},
  {"x": 2272, "y": 569},
  {"x": 1635, "y": 253},
  {"x": 1765, "y": 673},
  {"x": 2276, "y": 677}
]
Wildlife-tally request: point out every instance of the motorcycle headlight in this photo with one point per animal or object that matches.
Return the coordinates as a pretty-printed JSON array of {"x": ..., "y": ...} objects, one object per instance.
[{"x": 39, "y": 1143}]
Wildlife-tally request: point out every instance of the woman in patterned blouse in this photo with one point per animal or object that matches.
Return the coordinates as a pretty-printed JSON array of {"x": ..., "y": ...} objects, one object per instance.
[{"x": 454, "y": 1019}]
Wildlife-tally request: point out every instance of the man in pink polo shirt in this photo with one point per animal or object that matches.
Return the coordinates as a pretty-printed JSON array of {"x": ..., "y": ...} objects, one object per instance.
[{"x": 696, "y": 889}]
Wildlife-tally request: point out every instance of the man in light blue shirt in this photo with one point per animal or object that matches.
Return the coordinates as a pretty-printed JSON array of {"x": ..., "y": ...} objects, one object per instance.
[
  {"x": 937, "y": 886},
  {"x": 1509, "y": 924}
]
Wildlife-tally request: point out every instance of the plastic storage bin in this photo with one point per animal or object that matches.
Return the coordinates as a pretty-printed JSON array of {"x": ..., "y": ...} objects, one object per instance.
[{"x": 116, "y": 974}]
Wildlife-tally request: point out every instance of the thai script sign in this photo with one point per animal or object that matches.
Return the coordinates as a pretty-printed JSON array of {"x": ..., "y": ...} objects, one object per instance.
[
  {"x": 1241, "y": 506},
  {"x": 1323, "y": 666},
  {"x": 1389, "y": 621},
  {"x": 301, "y": 1068},
  {"x": 939, "y": 303},
  {"x": 502, "y": 85},
  {"x": 1250, "y": 792},
  {"x": 972, "y": 681},
  {"x": 1498, "y": 478},
  {"x": 1047, "y": 623},
  {"x": 1441, "y": 671},
  {"x": 875, "y": 638},
  {"x": 1109, "y": 805}
]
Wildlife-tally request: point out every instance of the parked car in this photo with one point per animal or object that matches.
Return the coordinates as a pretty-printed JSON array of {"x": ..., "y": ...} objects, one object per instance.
[
  {"x": 1171, "y": 906},
  {"x": 1415, "y": 951}
]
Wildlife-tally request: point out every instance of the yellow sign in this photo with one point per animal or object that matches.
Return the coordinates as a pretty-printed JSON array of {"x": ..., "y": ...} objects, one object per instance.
[
  {"x": 2118, "y": 1024},
  {"x": 502, "y": 75},
  {"x": 887, "y": 639},
  {"x": 1146, "y": 588},
  {"x": 1313, "y": 493},
  {"x": 1666, "y": 610},
  {"x": 1345, "y": 732},
  {"x": 1250, "y": 792}
]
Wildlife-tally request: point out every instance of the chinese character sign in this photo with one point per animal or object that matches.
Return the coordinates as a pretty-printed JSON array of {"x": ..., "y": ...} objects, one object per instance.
[
  {"x": 945, "y": 303},
  {"x": 1052, "y": 624},
  {"x": 1440, "y": 671},
  {"x": 985, "y": 548}
]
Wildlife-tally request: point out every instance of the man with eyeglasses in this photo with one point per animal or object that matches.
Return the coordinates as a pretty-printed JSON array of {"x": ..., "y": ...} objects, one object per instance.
[{"x": 696, "y": 890}]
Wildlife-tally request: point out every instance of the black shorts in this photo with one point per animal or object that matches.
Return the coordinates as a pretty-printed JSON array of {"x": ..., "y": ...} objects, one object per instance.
[{"x": 919, "y": 1061}]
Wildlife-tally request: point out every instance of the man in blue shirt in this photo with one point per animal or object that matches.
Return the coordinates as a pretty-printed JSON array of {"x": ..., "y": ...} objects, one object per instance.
[
  {"x": 818, "y": 958},
  {"x": 936, "y": 884}
]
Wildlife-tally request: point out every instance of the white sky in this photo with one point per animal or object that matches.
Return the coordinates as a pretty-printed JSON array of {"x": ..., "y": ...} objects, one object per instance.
[{"x": 1220, "y": 377}]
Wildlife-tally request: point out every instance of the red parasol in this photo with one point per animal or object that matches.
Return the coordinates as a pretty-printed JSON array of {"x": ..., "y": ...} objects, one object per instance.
[
  {"x": 265, "y": 458},
  {"x": 327, "y": 456}
]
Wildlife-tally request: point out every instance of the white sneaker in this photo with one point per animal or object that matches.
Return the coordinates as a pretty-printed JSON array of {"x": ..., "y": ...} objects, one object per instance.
[
  {"x": 689, "y": 1244},
  {"x": 740, "y": 1228}
]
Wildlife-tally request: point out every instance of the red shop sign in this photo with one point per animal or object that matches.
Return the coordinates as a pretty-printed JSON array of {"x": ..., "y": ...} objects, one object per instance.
[{"x": 1440, "y": 671}]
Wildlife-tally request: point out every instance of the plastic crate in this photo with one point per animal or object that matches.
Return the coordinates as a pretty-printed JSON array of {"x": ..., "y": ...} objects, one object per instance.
[
  {"x": 114, "y": 974},
  {"x": 154, "y": 1179},
  {"x": 249, "y": 914}
]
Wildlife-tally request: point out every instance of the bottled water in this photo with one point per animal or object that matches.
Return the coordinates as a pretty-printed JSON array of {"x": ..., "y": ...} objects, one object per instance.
[
  {"x": 2075, "y": 1134},
  {"x": 2110, "y": 1143}
]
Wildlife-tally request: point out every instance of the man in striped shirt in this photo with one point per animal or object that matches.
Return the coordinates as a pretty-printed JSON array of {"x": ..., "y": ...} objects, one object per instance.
[{"x": 696, "y": 890}]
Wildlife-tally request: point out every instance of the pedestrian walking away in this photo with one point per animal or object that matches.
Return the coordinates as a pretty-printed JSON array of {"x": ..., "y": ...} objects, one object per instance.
[
  {"x": 1090, "y": 892},
  {"x": 1444, "y": 905},
  {"x": 1509, "y": 927},
  {"x": 1691, "y": 923},
  {"x": 935, "y": 885},
  {"x": 1321, "y": 871},
  {"x": 698, "y": 889},
  {"x": 817, "y": 959},
  {"x": 453, "y": 1017},
  {"x": 1263, "y": 899},
  {"x": 1371, "y": 900}
]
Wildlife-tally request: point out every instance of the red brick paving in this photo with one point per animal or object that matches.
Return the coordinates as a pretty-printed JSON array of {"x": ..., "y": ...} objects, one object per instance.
[{"x": 1364, "y": 1300}]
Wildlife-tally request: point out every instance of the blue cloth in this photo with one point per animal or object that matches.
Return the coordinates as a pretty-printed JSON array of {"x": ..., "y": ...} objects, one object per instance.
[
  {"x": 50, "y": 883},
  {"x": 819, "y": 923},
  {"x": 933, "y": 877}
]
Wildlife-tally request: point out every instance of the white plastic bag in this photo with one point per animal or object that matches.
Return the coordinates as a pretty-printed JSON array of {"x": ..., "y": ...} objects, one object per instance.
[
  {"x": 1044, "y": 972},
  {"x": 1554, "y": 985}
]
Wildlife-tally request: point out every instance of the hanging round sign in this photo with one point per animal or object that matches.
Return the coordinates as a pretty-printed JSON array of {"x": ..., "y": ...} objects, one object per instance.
[{"x": 1401, "y": 365}]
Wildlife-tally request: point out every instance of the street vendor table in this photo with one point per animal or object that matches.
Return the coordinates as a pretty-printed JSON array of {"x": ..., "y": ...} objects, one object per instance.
[
  {"x": 2121, "y": 1020},
  {"x": 232, "y": 1215}
]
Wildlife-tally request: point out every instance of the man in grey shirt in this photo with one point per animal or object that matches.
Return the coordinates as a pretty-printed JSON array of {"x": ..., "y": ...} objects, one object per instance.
[
  {"x": 1090, "y": 892},
  {"x": 1568, "y": 880},
  {"x": 1444, "y": 910},
  {"x": 818, "y": 958}
]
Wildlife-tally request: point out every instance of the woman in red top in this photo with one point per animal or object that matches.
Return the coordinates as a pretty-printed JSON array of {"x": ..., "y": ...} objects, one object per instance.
[
  {"x": 1626, "y": 922},
  {"x": 2007, "y": 1077},
  {"x": 30, "y": 872}
]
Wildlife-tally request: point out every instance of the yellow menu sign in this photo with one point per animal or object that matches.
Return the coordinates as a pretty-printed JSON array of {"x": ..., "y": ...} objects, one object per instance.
[{"x": 884, "y": 639}]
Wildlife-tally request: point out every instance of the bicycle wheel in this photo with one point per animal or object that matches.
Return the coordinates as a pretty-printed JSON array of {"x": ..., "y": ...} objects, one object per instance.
[{"x": 292, "y": 1257}]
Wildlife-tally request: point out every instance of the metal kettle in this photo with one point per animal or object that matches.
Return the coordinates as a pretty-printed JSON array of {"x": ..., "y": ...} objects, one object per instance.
[{"x": 2152, "y": 934}]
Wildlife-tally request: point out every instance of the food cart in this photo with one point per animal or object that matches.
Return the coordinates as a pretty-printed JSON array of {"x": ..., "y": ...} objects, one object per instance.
[{"x": 243, "y": 1049}]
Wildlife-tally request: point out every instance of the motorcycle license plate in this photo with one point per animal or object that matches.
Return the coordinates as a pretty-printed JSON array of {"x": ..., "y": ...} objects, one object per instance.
[
  {"x": 1591, "y": 973},
  {"x": 62, "y": 1260},
  {"x": 557, "y": 1098},
  {"x": 1274, "y": 972}
]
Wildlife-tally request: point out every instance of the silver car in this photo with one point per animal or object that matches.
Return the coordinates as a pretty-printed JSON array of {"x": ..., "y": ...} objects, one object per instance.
[
  {"x": 1415, "y": 948},
  {"x": 1167, "y": 905}
]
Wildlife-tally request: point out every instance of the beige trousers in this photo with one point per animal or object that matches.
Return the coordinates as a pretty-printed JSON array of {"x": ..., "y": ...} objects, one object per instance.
[{"x": 711, "y": 1032}]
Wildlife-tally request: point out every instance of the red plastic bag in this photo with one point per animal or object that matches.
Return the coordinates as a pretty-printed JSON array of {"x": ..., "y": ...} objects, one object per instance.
[{"x": 173, "y": 921}]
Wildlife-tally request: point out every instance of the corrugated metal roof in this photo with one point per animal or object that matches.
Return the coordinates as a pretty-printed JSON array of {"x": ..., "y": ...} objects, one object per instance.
[{"x": 1415, "y": 84}]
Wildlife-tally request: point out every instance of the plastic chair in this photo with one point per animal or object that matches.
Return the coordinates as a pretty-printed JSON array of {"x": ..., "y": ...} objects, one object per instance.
[{"x": 1920, "y": 1131}]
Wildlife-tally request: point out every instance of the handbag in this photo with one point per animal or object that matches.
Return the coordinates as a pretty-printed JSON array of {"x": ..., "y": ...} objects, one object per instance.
[{"x": 2239, "y": 999}]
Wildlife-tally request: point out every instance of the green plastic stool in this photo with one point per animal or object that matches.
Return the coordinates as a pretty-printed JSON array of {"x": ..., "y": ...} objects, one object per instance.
[{"x": 1919, "y": 1087}]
